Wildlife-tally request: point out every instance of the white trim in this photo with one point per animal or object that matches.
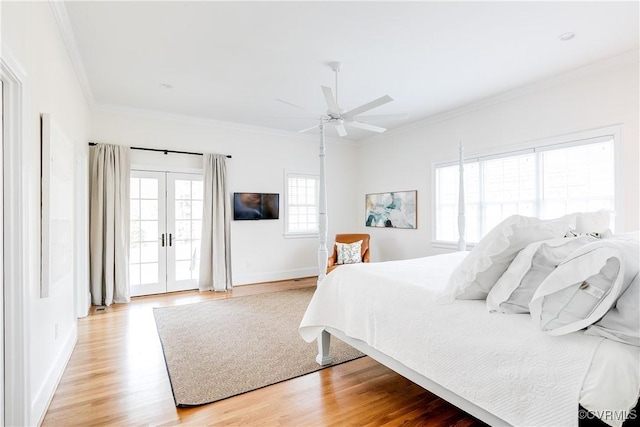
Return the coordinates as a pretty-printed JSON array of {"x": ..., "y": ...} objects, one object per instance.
[
  {"x": 442, "y": 244},
  {"x": 2, "y": 283},
  {"x": 627, "y": 58},
  {"x": 462, "y": 245},
  {"x": 66, "y": 30},
  {"x": 170, "y": 169},
  {"x": 618, "y": 180},
  {"x": 16, "y": 327},
  {"x": 540, "y": 144},
  {"x": 300, "y": 235},
  {"x": 81, "y": 233},
  {"x": 44, "y": 396},
  {"x": 273, "y": 276}
]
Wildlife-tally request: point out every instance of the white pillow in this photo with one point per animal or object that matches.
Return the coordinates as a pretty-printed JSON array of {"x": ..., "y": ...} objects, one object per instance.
[
  {"x": 622, "y": 322},
  {"x": 349, "y": 253},
  {"x": 584, "y": 287},
  {"x": 589, "y": 222},
  {"x": 481, "y": 269},
  {"x": 632, "y": 236},
  {"x": 512, "y": 293}
]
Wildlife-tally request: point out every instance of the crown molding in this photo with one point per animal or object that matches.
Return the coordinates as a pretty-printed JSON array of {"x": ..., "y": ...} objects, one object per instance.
[
  {"x": 66, "y": 30},
  {"x": 627, "y": 58},
  {"x": 207, "y": 122}
]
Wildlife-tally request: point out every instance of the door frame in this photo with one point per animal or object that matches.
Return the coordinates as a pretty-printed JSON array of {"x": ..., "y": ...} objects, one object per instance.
[
  {"x": 170, "y": 284},
  {"x": 2, "y": 256},
  {"x": 16, "y": 320}
]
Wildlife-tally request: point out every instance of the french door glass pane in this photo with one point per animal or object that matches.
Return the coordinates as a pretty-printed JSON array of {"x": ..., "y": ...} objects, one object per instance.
[
  {"x": 134, "y": 274},
  {"x": 148, "y": 188},
  {"x": 149, "y": 273},
  {"x": 197, "y": 191},
  {"x": 187, "y": 226},
  {"x": 145, "y": 223}
]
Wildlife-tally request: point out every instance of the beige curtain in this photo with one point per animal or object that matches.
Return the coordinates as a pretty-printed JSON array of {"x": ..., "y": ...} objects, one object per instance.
[
  {"x": 215, "y": 253},
  {"x": 109, "y": 237}
]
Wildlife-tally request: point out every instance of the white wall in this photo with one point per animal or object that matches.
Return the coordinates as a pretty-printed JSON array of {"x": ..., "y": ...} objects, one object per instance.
[
  {"x": 596, "y": 96},
  {"x": 259, "y": 251},
  {"x": 31, "y": 36}
]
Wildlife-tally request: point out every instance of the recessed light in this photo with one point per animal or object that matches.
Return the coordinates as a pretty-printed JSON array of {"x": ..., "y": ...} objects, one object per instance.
[
  {"x": 566, "y": 36},
  {"x": 166, "y": 86}
]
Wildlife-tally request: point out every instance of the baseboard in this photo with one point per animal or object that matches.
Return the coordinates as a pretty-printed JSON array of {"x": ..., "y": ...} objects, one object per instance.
[
  {"x": 42, "y": 400},
  {"x": 272, "y": 276}
]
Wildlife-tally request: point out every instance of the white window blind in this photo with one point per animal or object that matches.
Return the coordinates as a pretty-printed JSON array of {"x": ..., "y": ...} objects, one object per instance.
[
  {"x": 301, "y": 216},
  {"x": 546, "y": 182}
]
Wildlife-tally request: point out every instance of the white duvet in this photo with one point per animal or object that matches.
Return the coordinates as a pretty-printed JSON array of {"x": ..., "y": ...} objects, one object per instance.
[{"x": 499, "y": 362}]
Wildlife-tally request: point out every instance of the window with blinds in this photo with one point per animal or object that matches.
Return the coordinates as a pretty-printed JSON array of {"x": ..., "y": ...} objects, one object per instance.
[
  {"x": 546, "y": 181},
  {"x": 301, "y": 214}
]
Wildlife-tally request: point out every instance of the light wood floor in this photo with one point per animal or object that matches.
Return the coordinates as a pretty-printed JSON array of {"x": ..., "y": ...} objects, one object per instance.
[{"x": 117, "y": 376}]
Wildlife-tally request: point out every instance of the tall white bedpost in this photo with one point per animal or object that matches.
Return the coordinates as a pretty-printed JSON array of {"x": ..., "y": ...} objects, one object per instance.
[
  {"x": 462, "y": 246},
  {"x": 322, "y": 212}
]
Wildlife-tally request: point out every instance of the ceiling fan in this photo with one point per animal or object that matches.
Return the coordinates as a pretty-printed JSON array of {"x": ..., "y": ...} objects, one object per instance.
[{"x": 341, "y": 118}]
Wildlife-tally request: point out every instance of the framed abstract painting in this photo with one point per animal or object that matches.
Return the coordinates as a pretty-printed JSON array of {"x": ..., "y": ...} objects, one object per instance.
[{"x": 396, "y": 209}]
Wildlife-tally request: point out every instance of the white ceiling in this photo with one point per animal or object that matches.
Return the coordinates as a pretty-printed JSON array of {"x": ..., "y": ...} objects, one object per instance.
[{"x": 230, "y": 61}]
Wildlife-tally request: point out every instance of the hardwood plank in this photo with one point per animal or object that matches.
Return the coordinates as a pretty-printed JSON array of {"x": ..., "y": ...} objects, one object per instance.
[{"x": 117, "y": 376}]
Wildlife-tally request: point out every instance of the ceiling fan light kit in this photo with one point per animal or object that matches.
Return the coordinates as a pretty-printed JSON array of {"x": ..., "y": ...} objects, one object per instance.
[{"x": 342, "y": 119}]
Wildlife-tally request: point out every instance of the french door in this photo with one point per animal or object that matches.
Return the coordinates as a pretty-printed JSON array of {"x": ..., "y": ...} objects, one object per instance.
[{"x": 166, "y": 222}]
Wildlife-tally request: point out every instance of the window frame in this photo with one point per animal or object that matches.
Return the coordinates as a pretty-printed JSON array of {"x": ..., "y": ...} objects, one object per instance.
[
  {"x": 537, "y": 147},
  {"x": 306, "y": 175}
]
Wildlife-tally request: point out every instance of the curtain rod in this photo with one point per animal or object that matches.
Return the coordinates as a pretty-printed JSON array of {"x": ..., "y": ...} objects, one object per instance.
[{"x": 163, "y": 151}]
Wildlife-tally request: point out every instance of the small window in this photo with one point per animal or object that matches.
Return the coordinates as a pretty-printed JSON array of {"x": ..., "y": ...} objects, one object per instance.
[{"x": 301, "y": 214}]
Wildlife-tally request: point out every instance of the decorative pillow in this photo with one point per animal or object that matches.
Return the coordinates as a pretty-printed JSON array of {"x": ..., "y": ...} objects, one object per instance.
[
  {"x": 585, "y": 286},
  {"x": 512, "y": 293},
  {"x": 622, "y": 322},
  {"x": 595, "y": 234},
  {"x": 481, "y": 269},
  {"x": 349, "y": 253}
]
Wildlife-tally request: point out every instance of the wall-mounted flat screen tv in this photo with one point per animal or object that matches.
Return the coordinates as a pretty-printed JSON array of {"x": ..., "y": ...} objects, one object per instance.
[{"x": 247, "y": 206}]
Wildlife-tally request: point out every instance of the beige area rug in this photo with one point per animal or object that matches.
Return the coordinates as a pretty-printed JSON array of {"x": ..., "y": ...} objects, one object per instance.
[{"x": 218, "y": 349}]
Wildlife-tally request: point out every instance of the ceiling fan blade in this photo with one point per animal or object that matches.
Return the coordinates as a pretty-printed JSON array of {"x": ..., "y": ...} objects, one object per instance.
[
  {"x": 383, "y": 117},
  {"x": 308, "y": 129},
  {"x": 368, "y": 106},
  {"x": 331, "y": 101},
  {"x": 341, "y": 130},
  {"x": 291, "y": 104},
  {"x": 366, "y": 126}
]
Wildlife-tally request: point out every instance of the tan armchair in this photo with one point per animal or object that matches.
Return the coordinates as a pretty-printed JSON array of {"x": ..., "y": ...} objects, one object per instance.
[{"x": 348, "y": 238}]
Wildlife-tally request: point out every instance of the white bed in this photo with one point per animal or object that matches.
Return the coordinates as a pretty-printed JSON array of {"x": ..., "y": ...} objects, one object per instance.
[{"x": 497, "y": 367}]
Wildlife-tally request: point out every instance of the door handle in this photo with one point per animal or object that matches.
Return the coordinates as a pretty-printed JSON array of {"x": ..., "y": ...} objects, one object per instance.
[
  {"x": 170, "y": 239},
  {"x": 162, "y": 239}
]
